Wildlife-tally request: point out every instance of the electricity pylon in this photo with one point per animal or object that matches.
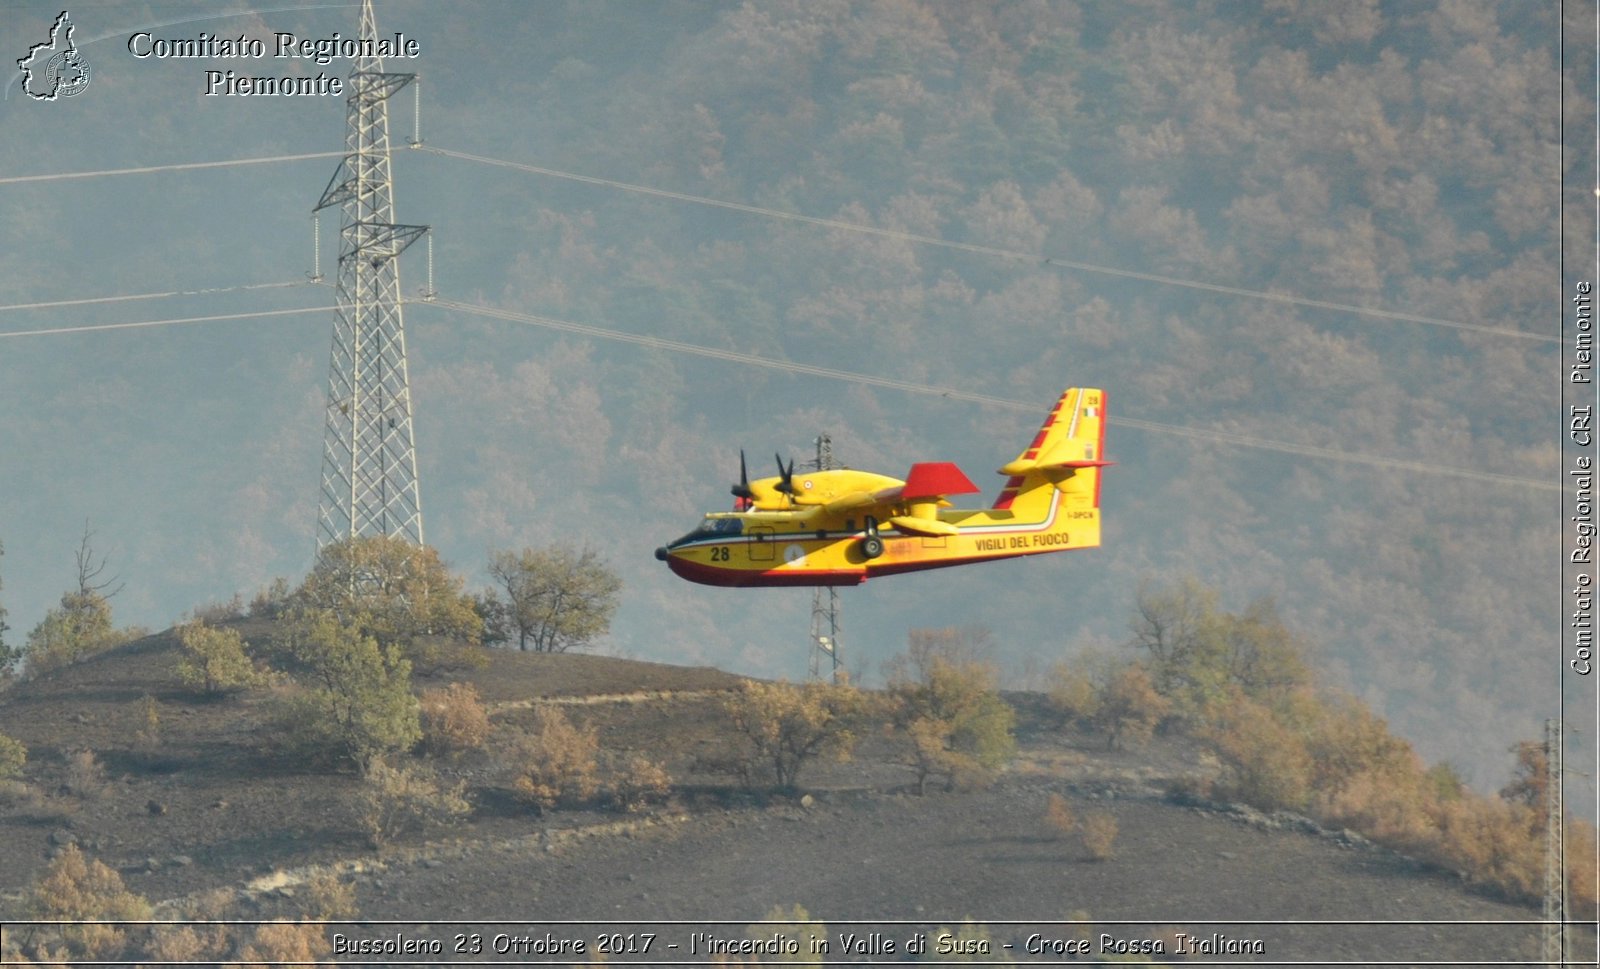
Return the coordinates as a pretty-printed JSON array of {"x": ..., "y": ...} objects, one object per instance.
[
  {"x": 824, "y": 600},
  {"x": 369, "y": 460}
]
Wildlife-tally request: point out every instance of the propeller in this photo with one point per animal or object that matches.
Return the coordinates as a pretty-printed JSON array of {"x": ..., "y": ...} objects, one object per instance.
[
  {"x": 786, "y": 486},
  {"x": 742, "y": 489}
]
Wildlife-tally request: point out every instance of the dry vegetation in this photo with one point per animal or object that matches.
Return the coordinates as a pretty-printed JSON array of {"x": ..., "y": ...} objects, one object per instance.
[
  {"x": 787, "y": 725},
  {"x": 557, "y": 762},
  {"x": 397, "y": 799},
  {"x": 1097, "y": 830},
  {"x": 944, "y": 699},
  {"x": 1233, "y": 682},
  {"x": 454, "y": 720},
  {"x": 1240, "y": 684}
]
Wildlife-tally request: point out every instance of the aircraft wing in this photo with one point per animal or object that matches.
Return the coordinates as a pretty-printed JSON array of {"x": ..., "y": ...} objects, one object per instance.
[
  {"x": 929, "y": 481},
  {"x": 802, "y": 514},
  {"x": 862, "y": 500}
]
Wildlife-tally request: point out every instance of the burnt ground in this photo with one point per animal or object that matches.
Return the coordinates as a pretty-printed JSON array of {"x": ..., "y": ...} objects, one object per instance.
[{"x": 197, "y": 805}]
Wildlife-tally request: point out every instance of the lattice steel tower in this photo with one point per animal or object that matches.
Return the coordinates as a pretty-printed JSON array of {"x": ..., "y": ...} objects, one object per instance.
[
  {"x": 369, "y": 461},
  {"x": 824, "y": 600}
]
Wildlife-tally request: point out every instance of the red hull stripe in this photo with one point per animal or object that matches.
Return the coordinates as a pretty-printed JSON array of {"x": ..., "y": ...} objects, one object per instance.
[
  {"x": 1008, "y": 495},
  {"x": 748, "y": 578},
  {"x": 740, "y": 578}
]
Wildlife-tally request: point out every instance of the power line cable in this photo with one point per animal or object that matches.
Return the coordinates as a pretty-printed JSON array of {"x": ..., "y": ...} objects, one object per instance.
[
  {"x": 950, "y": 393},
  {"x": 913, "y": 237},
  {"x": 179, "y": 167},
  {"x": 1203, "y": 434},
  {"x": 138, "y": 296},
  {"x": 55, "y": 331},
  {"x": 997, "y": 251}
]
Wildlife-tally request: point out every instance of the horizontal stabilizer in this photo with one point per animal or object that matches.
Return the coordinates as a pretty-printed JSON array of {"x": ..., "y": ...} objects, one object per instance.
[
  {"x": 1068, "y": 453},
  {"x": 935, "y": 479}
]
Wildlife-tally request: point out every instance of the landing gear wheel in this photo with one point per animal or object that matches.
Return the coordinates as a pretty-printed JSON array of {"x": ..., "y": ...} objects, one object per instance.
[{"x": 871, "y": 547}]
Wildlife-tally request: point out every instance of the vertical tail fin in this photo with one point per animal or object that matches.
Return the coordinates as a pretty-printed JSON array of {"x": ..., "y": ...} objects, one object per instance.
[{"x": 1066, "y": 456}]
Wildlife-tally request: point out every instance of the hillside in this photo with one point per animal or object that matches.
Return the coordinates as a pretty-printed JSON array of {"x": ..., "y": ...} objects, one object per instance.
[
  {"x": 193, "y": 805},
  {"x": 1313, "y": 252}
]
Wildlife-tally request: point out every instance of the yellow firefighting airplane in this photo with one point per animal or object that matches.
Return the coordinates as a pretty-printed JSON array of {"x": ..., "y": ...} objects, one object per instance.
[{"x": 841, "y": 527}]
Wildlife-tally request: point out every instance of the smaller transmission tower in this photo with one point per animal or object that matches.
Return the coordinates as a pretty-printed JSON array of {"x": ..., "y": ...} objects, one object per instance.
[
  {"x": 369, "y": 460},
  {"x": 825, "y": 599}
]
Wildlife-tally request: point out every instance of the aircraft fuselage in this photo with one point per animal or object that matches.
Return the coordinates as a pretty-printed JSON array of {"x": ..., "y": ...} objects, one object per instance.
[
  {"x": 754, "y": 549},
  {"x": 842, "y": 526}
]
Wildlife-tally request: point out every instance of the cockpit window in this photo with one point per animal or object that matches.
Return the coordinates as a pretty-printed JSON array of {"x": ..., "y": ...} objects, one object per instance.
[
  {"x": 713, "y": 528},
  {"x": 717, "y": 528}
]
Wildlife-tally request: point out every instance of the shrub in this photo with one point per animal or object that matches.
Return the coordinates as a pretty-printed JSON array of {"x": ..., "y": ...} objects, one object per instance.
[
  {"x": 82, "y": 890},
  {"x": 557, "y": 762},
  {"x": 1581, "y": 872},
  {"x": 13, "y": 755},
  {"x": 329, "y": 899},
  {"x": 640, "y": 782},
  {"x": 397, "y": 593},
  {"x": 271, "y": 600},
  {"x": 215, "y": 659},
  {"x": 187, "y": 943},
  {"x": 955, "y": 723},
  {"x": 1265, "y": 761},
  {"x": 453, "y": 719},
  {"x": 85, "y": 777},
  {"x": 1130, "y": 709},
  {"x": 929, "y": 752},
  {"x": 23, "y": 798},
  {"x": 790, "y": 725},
  {"x": 147, "y": 723},
  {"x": 80, "y": 628},
  {"x": 1072, "y": 695},
  {"x": 194, "y": 943},
  {"x": 1058, "y": 816},
  {"x": 397, "y": 799},
  {"x": 1099, "y": 831},
  {"x": 283, "y": 944},
  {"x": 359, "y": 705},
  {"x": 213, "y": 613},
  {"x": 1492, "y": 842},
  {"x": 1346, "y": 741},
  {"x": 294, "y": 730}
]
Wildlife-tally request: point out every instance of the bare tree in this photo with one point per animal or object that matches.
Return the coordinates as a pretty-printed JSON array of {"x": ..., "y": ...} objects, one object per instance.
[
  {"x": 81, "y": 626},
  {"x": 1167, "y": 626},
  {"x": 958, "y": 646},
  {"x": 89, "y": 570},
  {"x": 8, "y": 655}
]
